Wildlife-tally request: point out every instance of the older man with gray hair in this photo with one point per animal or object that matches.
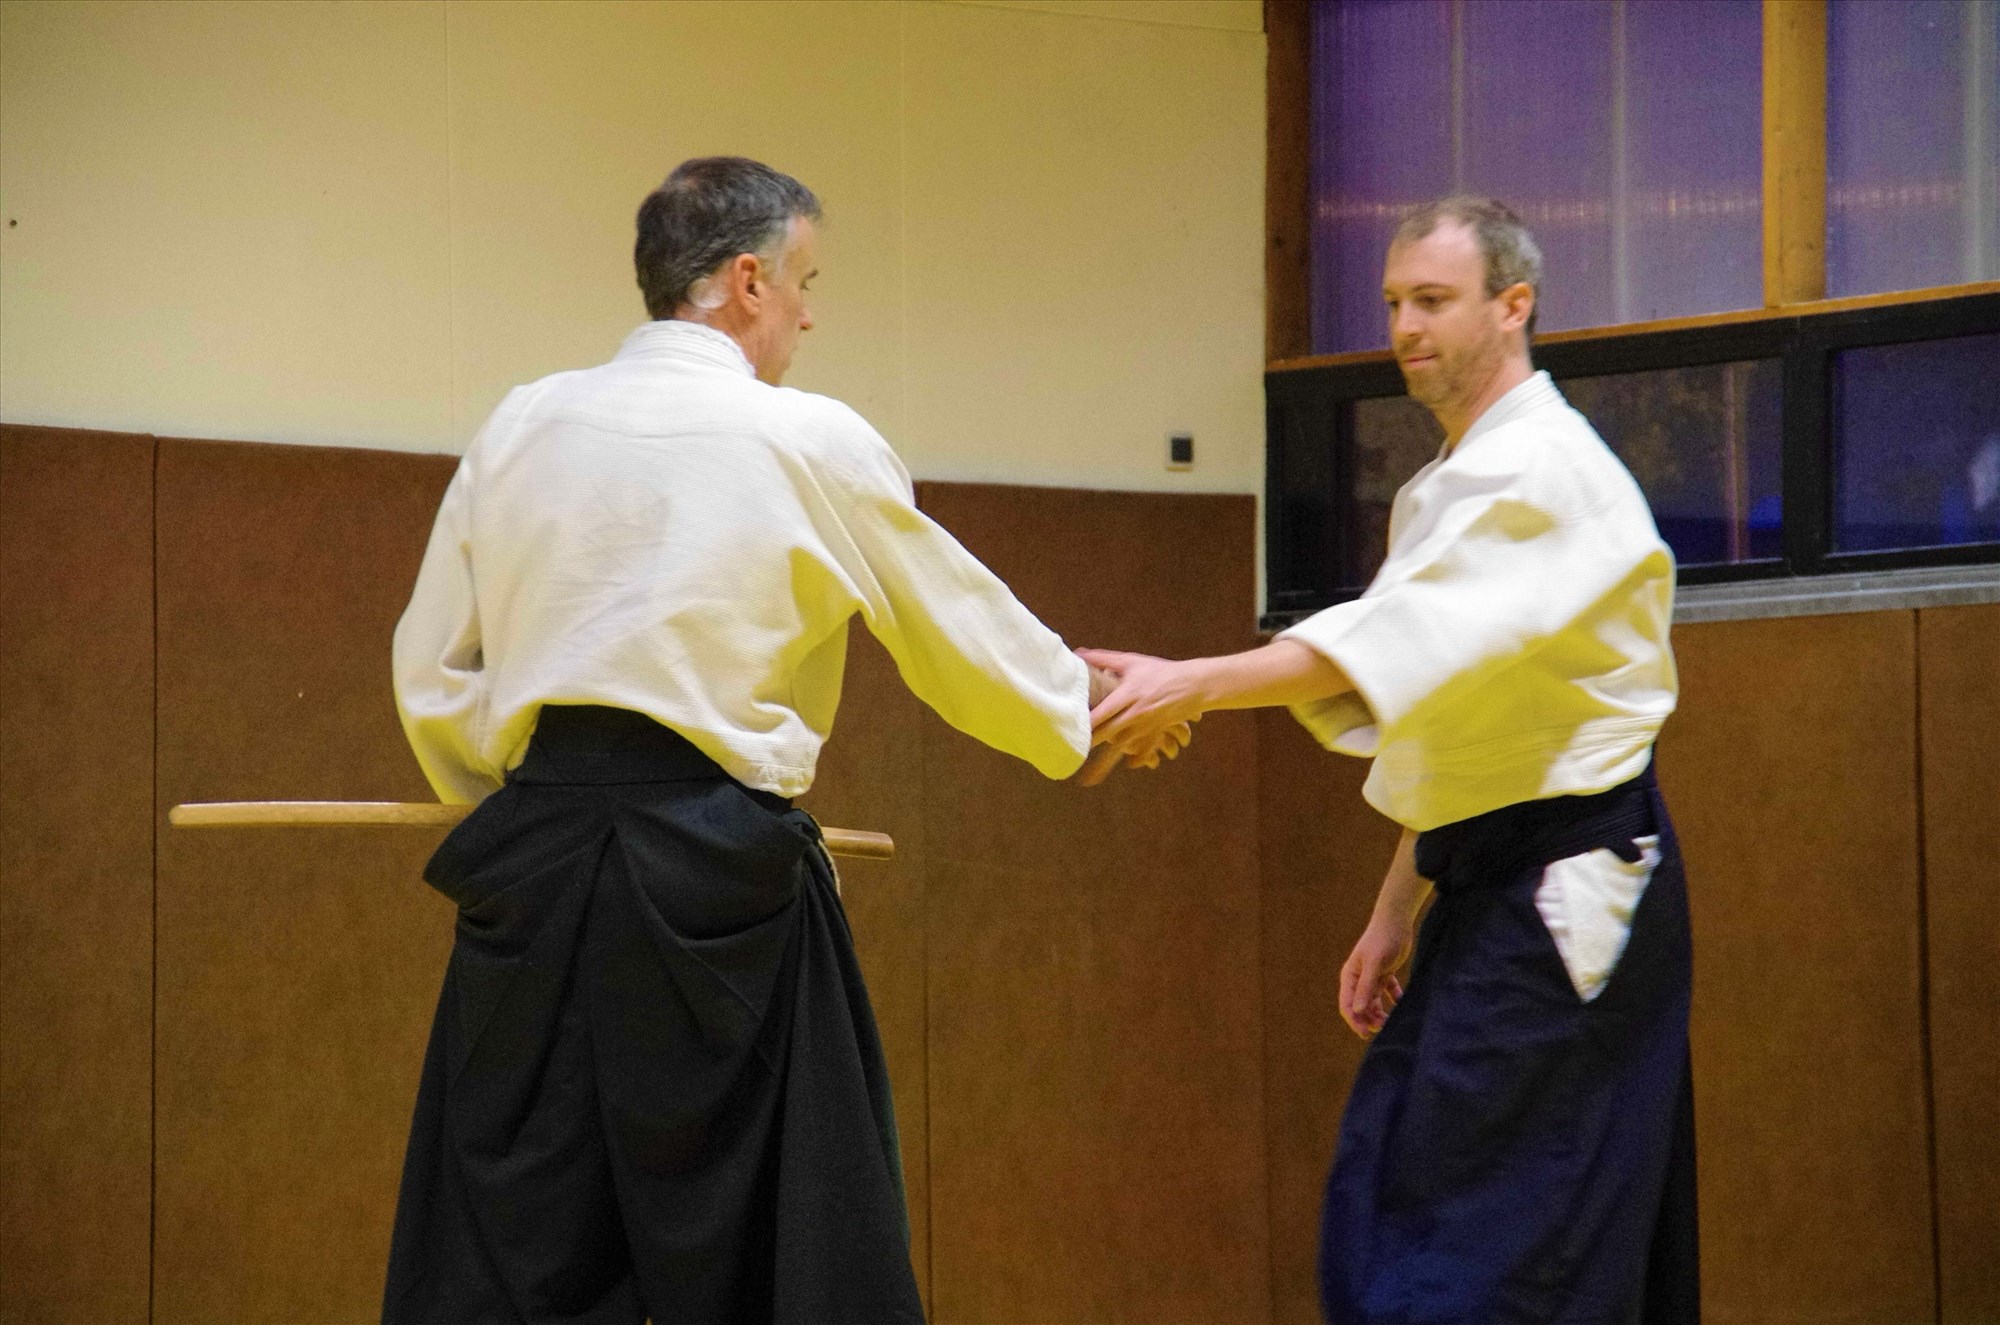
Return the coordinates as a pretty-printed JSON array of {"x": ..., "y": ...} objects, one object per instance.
[
  {"x": 654, "y": 1087},
  {"x": 1518, "y": 1145}
]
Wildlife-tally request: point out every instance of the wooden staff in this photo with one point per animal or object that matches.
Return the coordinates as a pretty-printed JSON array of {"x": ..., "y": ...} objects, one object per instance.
[{"x": 296, "y": 814}]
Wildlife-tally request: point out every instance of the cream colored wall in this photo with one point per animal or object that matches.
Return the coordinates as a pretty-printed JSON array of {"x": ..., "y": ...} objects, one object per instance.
[{"x": 360, "y": 223}]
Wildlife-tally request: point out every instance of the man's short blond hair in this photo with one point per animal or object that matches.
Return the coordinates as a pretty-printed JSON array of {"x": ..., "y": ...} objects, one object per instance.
[{"x": 1511, "y": 254}]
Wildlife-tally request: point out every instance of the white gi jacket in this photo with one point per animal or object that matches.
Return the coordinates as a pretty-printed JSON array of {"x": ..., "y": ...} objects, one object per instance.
[
  {"x": 1514, "y": 644},
  {"x": 667, "y": 534}
]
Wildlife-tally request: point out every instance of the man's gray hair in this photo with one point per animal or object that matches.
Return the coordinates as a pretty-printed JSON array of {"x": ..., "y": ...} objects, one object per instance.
[
  {"x": 1511, "y": 254},
  {"x": 710, "y": 210}
]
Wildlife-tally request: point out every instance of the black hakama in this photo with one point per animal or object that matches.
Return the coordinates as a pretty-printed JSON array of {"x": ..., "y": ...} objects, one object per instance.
[
  {"x": 1512, "y": 1154},
  {"x": 654, "y": 1086}
]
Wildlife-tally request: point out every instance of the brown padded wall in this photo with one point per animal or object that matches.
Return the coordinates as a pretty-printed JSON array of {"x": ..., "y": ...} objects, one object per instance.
[
  {"x": 1959, "y": 686},
  {"x": 76, "y": 873},
  {"x": 297, "y": 967},
  {"x": 1096, "y": 1104},
  {"x": 1790, "y": 769},
  {"x": 1111, "y": 1043},
  {"x": 1325, "y": 851},
  {"x": 871, "y": 776}
]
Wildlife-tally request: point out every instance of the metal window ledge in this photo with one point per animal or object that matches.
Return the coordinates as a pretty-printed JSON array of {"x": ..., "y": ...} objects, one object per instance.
[
  {"x": 1824, "y": 595},
  {"x": 1815, "y": 595}
]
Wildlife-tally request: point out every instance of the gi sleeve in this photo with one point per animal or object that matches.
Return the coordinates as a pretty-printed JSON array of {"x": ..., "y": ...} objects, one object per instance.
[
  {"x": 438, "y": 664},
  {"x": 961, "y": 640},
  {"x": 1502, "y": 574}
]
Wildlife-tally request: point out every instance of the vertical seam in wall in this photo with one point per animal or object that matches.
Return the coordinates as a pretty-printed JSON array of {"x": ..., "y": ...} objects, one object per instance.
[
  {"x": 930, "y": 1123},
  {"x": 1457, "y": 22},
  {"x": 1263, "y": 1019},
  {"x": 1924, "y": 974},
  {"x": 903, "y": 216},
  {"x": 1979, "y": 77},
  {"x": 450, "y": 249},
  {"x": 923, "y": 871},
  {"x": 1621, "y": 169},
  {"x": 153, "y": 929}
]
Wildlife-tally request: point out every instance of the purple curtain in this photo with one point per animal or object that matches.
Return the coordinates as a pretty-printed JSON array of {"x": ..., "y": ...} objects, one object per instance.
[
  {"x": 1626, "y": 133},
  {"x": 1913, "y": 137}
]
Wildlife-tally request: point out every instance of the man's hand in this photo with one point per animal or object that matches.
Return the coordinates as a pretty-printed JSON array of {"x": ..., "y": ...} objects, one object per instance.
[
  {"x": 1369, "y": 989},
  {"x": 1143, "y": 752},
  {"x": 1102, "y": 681},
  {"x": 1153, "y": 697},
  {"x": 1104, "y": 760}
]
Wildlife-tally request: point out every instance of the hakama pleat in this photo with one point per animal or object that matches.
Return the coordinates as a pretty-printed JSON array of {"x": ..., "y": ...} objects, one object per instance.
[
  {"x": 1512, "y": 1153},
  {"x": 654, "y": 1085}
]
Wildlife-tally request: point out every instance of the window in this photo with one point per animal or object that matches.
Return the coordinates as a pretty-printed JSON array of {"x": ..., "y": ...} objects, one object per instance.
[
  {"x": 1701, "y": 178},
  {"x": 1912, "y": 144},
  {"x": 1917, "y": 444},
  {"x": 1704, "y": 443},
  {"x": 1837, "y": 440},
  {"x": 1626, "y": 135}
]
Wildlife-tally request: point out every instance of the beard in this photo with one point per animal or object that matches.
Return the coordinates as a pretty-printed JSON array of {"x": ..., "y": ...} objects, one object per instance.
[
  {"x": 1453, "y": 378},
  {"x": 1439, "y": 384},
  {"x": 1429, "y": 389}
]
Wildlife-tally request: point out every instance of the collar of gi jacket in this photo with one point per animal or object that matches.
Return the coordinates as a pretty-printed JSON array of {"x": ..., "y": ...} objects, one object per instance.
[
  {"x": 688, "y": 341},
  {"x": 1535, "y": 393}
]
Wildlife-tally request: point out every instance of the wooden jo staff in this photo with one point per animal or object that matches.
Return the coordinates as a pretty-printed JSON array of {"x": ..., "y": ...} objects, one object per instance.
[{"x": 298, "y": 814}]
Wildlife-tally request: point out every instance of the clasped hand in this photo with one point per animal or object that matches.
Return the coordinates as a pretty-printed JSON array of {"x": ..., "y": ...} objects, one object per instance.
[{"x": 1141, "y": 711}]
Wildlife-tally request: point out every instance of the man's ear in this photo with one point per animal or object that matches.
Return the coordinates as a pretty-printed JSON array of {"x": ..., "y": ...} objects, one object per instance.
[
  {"x": 745, "y": 269},
  {"x": 1519, "y": 300}
]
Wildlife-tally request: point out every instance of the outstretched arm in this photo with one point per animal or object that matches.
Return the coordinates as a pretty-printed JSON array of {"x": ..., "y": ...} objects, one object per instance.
[
  {"x": 961, "y": 641},
  {"x": 1154, "y": 695}
]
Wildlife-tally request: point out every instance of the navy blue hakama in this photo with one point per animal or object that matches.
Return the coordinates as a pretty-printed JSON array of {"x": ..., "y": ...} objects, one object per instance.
[{"x": 1513, "y": 1154}]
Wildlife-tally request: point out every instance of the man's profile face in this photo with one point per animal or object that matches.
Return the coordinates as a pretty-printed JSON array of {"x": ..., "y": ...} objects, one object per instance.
[
  {"x": 781, "y": 311},
  {"x": 1448, "y": 335}
]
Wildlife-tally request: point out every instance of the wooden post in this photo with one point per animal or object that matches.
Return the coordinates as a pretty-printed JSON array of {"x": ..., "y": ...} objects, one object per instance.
[
  {"x": 1287, "y": 180},
  {"x": 1794, "y": 151}
]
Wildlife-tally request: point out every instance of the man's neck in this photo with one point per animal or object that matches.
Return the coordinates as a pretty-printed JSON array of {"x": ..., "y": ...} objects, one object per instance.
[
  {"x": 718, "y": 320},
  {"x": 1508, "y": 374}
]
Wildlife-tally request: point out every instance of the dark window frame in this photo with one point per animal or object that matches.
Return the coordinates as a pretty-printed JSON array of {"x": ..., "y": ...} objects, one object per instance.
[{"x": 1309, "y": 435}]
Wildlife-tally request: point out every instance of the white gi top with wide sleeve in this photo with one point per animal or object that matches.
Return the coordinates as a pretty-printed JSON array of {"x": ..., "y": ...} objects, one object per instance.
[
  {"x": 1514, "y": 644},
  {"x": 667, "y": 534}
]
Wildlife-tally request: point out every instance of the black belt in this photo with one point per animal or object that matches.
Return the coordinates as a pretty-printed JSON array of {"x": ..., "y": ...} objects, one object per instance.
[
  {"x": 591, "y": 745},
  {"x": 1494, "y": 848}
]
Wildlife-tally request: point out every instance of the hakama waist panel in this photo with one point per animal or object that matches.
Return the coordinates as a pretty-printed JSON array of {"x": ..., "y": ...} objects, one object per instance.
[{"x": 1494, "y": 848}]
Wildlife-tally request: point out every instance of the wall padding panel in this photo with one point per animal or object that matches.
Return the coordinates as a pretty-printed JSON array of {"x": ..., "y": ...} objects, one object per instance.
[
  {"x": 1791, "y": 771},
  {"x": 1959, "y": 688},
  {"x": 297, "y": 967},
  {"x": 1096, "y": 1100},
  {"x": 871, "y": 776},
  {"x": 76, "y": 874},
  {"x": 1108, "y": 1013},
  {"x": 1325, "y": 851}
]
